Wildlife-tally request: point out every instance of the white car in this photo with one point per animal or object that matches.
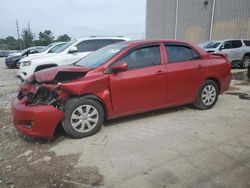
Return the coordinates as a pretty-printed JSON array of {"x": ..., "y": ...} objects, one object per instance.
[
  {"x": 51, "y": 48},
  {"x": 67, "y": 54},
  {"x": 237, "y": 50}
]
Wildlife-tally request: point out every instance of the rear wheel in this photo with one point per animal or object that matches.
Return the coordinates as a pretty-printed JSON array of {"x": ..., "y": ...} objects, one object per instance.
[
  {"x": 207, "y": 95},
  {"x": 245, "y": 62},
  {"x": 83, "y": 117}
]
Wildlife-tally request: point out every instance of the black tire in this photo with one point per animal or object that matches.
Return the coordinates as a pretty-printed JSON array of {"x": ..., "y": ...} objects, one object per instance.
[
  {"x": 199, "y": 102},
  {"x": 18, "y": 64},
  {"x": 71, "y": 107},
  {"x": 245, "y": 62}
]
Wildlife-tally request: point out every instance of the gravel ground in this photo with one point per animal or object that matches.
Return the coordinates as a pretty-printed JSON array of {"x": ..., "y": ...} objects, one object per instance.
[{"x": 177, "y": 147}]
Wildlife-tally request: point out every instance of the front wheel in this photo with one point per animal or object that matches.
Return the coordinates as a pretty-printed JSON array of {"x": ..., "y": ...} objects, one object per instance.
[
  {"x": 245, "y": 62},
  {"x": 83, "y": 117},
  {"x": 207, "y": 95},
  {"x": 18, "y": 64}
]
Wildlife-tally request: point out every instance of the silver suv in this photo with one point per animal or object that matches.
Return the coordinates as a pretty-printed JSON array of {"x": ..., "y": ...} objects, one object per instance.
[{"x": 238, "y": 51}]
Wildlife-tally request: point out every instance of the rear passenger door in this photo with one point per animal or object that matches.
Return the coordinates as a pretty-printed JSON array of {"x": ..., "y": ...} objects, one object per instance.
[
  {"x": 237, "y": 50},
  {"x": 185, "y": 70}
]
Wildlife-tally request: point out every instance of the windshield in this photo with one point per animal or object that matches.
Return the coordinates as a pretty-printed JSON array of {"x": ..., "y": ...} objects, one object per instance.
[
  {"x": 64, "y": 47},
  {"x": 101, "y": 56},
  {"x": 47, "y": 47},
  {"x": 213, "y": 45},
  {"x": 56, "y": 47}
]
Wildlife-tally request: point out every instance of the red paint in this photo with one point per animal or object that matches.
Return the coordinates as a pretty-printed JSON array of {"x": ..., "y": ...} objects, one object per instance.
[
  {"x": 44, "y": 118},
  {"x": 128, "y": 92}
]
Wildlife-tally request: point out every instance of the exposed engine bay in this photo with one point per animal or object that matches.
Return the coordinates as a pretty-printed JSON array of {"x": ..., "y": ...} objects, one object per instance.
[{"x": 47, "y": 91}]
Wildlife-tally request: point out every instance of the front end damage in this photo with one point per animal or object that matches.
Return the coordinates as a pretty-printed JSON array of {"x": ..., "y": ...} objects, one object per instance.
[
  {"x": 43, "y": 94},
  {"x": 39, "y": 106}
]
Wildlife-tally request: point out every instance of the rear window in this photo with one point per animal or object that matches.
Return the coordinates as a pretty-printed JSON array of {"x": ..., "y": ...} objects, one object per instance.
[
  {"x": 95, "y": 44},
  {"x": 179, "y": 53},
  {"x": 236, "y": 43},
  {"x": 247, "y": 42}
]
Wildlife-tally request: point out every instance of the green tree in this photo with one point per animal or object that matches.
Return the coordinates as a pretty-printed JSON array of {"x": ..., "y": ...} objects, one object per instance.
[
  {"x": 46, "y": 37},
  {"x": 63, "y": 38},
  {"x": 11, "y": 43},
  {"x": 27, "y": 37}
]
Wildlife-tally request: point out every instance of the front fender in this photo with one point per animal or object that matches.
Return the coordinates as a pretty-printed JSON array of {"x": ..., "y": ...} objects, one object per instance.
[{"x": 99, "y": 87}]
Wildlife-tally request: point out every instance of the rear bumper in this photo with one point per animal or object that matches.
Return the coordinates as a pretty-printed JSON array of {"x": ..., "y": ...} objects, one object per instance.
[{"x": 36, "y": 121}]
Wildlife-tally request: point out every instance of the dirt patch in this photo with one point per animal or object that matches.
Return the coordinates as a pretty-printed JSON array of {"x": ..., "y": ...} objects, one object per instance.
[
  {"x": 239, "y": 75},
  {"x": 243, "y": 83},
  {"x": 241, "y": 95},
  {"x": 26, "y": 162},
  {"x": 232, "y": 88}
]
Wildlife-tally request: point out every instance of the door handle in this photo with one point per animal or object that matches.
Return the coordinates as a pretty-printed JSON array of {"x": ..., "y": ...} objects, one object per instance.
[
  {"x": 159, "y": 73},
  {"x": 200, "y": 67}
]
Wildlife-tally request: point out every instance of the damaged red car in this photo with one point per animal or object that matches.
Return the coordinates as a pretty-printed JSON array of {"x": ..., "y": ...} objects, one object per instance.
[{"x": 118, "y": 80}]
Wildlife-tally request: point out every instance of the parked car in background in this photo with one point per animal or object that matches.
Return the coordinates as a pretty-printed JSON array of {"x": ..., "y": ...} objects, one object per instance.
[
  {"x": 51, "y": 48},
  {"x": 2, "y": 53},
  {"x": 5, "y": 53},
  {"x": 12, "y": 60},
  {"x": 65, "y": 55},
  {"x": 118, "y": 80},
  {"x": 205, "y": 44},
  {"x": 238, "y": 51}
]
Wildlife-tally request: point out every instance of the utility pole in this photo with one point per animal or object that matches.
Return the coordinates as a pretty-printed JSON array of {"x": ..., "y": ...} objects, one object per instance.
[
  {"x": 18, "y": 35},
  {"x": 30, "y": 32},
  {"x": 212, "y": 21},
  {"x": 29, "y": 26},
  {"x": 176, "y": 19}
]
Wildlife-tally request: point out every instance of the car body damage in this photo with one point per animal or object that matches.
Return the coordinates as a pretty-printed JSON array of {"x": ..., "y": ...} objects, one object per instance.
[
  {"x": 50, "y": 89},
  {"x": 59, "y": 74}
]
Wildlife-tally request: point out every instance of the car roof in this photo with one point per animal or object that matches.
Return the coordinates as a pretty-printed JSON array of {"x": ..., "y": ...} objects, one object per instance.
[
  {"x": 103, "y": 37},
  {"x": 141, "y": 42}
]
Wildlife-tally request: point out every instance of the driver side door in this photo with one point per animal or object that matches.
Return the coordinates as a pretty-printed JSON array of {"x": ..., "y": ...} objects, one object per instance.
[{"x": 143, "y": 85}]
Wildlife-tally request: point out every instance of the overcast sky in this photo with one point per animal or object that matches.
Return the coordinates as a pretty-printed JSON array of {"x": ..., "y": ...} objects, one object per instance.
[{"x": 77, "y": 18}]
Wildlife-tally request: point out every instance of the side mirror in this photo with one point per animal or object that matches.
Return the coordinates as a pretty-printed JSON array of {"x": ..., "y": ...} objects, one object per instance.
[
  {"x": 222, "y": 47},
  {"x": 120, "y": 67},
  {"x": 73, "y": 49}
]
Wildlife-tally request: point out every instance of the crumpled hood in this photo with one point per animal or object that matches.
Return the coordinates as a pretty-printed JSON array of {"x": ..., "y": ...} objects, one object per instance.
[{"x": 60, "y": 74}]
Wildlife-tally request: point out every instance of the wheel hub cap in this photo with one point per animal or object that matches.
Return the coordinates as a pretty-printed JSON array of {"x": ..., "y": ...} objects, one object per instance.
[
  {"x": 208, "y": 95},
  {"x": 84, "y": 118}
]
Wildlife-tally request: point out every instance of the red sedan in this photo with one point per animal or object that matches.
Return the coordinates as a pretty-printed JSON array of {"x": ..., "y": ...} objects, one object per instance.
[{"x": 118, "y": 80}]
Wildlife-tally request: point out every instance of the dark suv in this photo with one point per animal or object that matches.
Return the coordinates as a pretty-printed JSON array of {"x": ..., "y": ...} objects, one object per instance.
[{"x": 12, "y": 60}]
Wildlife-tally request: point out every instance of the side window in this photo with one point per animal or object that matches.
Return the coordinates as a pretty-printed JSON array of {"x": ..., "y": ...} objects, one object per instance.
[
  {"x": 227, "y": 45},
  {"x": 247, "y": 42},
  {"x": 179, "y": 53},
  {"x": 92, "y": 45},
  {"x": 236, "y": 44},
  {"x": 143, "y": 57},
  {"x": 86, "y": 46},
  {"x": 103, "y": 42}
]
